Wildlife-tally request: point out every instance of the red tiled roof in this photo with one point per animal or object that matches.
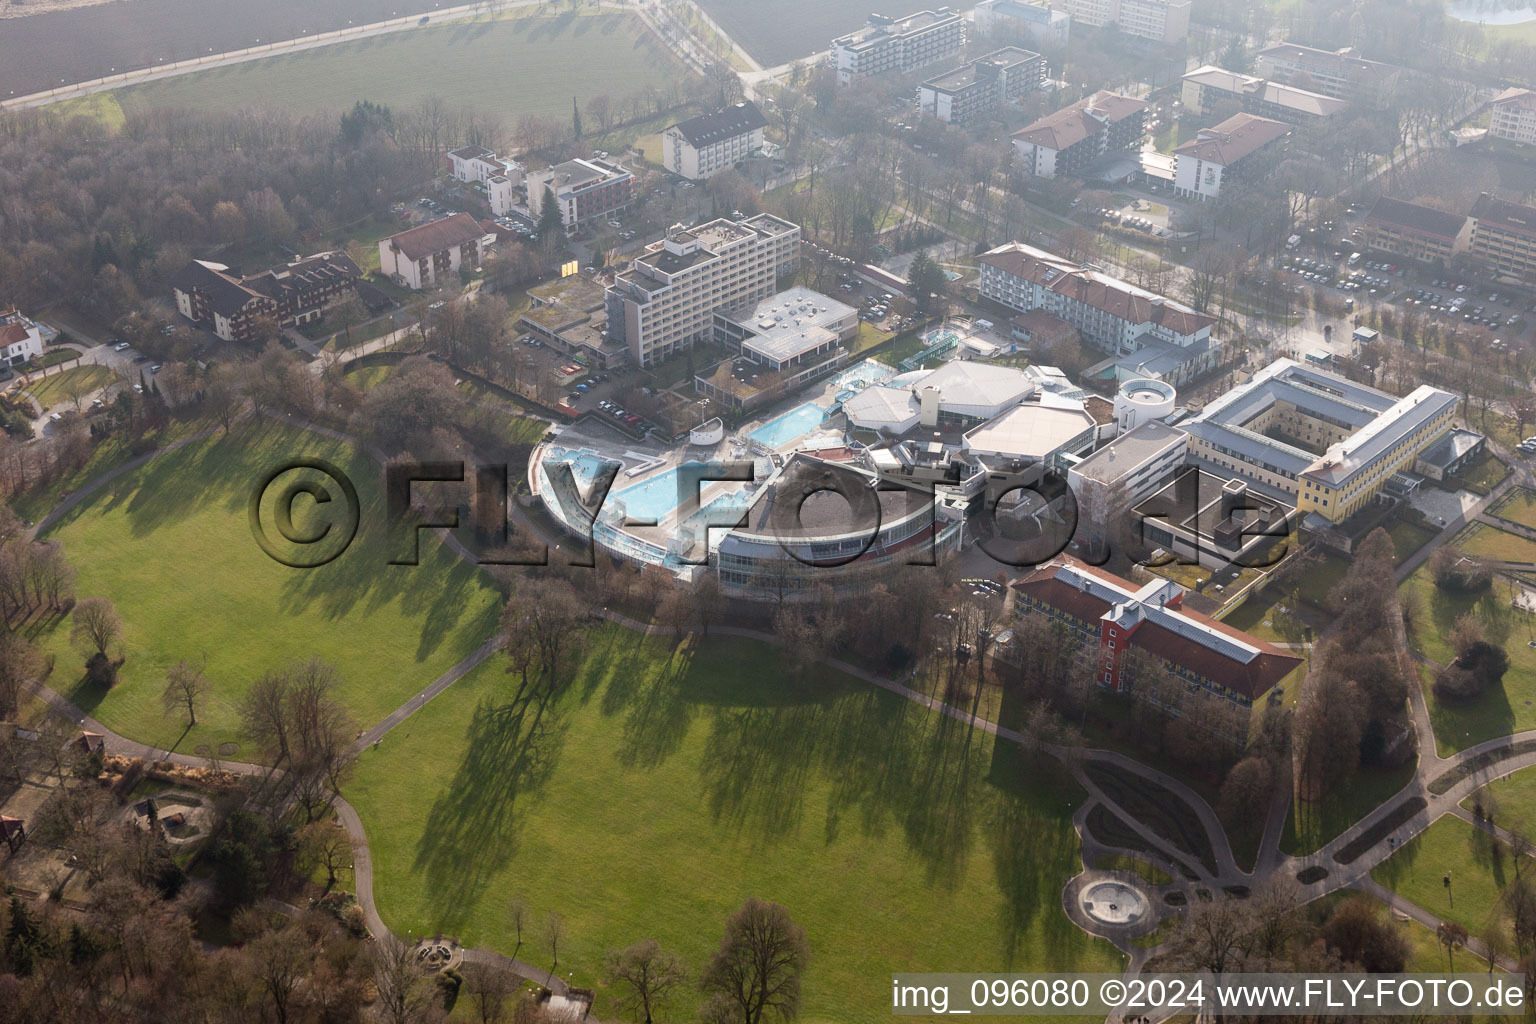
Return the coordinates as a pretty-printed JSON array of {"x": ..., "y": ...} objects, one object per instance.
[
  {"x": 1238, "y": 136},
  {"x": 1251, "y": 679},
  {"x": 1097, "y": 291},
  {"x": 12, "y": 334},
  {"x": 1073, "y": 124}
]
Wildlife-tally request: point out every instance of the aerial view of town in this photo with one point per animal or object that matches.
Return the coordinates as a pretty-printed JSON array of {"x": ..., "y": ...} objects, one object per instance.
[{"x": 767, "y": 511}]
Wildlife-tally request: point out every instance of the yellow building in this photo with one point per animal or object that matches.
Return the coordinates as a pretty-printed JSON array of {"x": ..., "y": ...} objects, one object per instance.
[{"x": 1329, "y": 443}]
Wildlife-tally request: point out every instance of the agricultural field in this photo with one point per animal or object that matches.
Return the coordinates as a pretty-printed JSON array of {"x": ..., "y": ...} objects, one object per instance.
[
  {"x": 171, "y": 544},
  {"x": 469, "y": 62},
  {"x": 787, "y": 30},
  {"x": 40, "y": 50},
  {"x": 898, "y": 839}
]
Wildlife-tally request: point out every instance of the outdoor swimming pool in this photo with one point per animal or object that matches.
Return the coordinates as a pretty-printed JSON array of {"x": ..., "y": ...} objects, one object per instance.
[
  {"x": 863, "y": 374},
  {"x": 794, "y": 424},
  {"x": 656, "y": 497},
  {"x": 585, "y": 463}
]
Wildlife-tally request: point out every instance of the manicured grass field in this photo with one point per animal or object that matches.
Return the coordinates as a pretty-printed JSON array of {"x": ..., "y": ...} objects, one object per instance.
[
  {"x": 663, "y": 789},
  {"x": 1518, "y": 506},
  {"x": 1487, "y": 542},
  {"x": 1407, "y": 538},
  {"x": 1261, "y": 616},
  {"x": 1488, "y": 471},
  {"x": 507, "y": 67},
  {"x": 171, "y": 544},
  {"x": 1311, "y": 826},
  {"x": 1511, "y": 800},
  {"x": 1500, "y": 711},
  {"x": 1417, "y": 873},
  {"x": 61, "y": 386}
]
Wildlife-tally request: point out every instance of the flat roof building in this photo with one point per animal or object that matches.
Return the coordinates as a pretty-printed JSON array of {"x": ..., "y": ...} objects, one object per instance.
[
  {"x": 798, "y": 333},
  {"x": 1209, "y": 87},
  {"x": 585, "y": 190},
  {"x": 1330, "y": 443},
  {"x": 1035, "y": 21},
  {"x": 666, "y": 301},
  {"x": 975, "y": 91},
  {"x": 1126, "y": 470},
  {"x": 1162, "y": 21},
  {"x": 898, "y": 44},
  {"x": 1342, "y": 74}
]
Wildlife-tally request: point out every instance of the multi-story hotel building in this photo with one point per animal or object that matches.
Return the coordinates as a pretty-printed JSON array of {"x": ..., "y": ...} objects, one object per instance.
[
  {"x": 1210, "y": 86},
  {"x": 699, "y": 147},
  {"x": 1342, "y": 74},
  {"x": 1112, "y": 616},
  {"x": 1036, "y": 21},
  {"x": 1110, "y": 314},
  {"x": 1163, "y": 21},
  {"x": 1329, "y": 443},
  {"x": 1241, "y": 148},
  {"x": 1514, "y": 116},
  {"x": 233, "y": 305},
  {"x": 1504, "y": 237},
  {"x": 585, "y": 190},
  {"x": 1416, "y": 232},
  {"x": 970, "y": 93},
  {"x": 430, "y": 254},
  {"x": 666, "y": 301},
  {"x": 898, "y": 44},
  {"x": 1074, "y": 138}
]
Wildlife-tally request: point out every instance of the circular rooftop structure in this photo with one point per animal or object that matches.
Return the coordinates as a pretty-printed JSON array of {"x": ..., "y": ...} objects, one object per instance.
[{"x": 1141, "y": 401}]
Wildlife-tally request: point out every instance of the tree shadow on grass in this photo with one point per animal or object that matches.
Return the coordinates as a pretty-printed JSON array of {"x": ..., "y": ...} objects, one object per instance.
[{"x": 475, "y": 825}]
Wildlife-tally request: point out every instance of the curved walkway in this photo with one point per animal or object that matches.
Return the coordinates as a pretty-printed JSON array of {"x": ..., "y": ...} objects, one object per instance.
[{"x": 1226, "y": 874}]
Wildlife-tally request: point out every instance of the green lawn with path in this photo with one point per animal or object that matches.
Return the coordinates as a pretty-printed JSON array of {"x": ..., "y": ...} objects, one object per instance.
[
  {"x": 1311, "y": 825},
  {"x": 1498, "y": 545},
  {"x": 1511, "y": 800},
  {"x": 1500, "y": 711},
  {"x": 1518, "y": 506},
  {"x": 171, "y": 544},
  {"x": 64, "y": 385},
  {"x": 1416, "y": 871},
  {"x": 507, "y": 67},
  {"x": 664, "y": 788}
]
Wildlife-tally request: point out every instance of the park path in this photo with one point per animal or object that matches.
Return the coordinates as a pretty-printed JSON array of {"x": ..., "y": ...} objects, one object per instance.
[{"x": 1226, "y": 874}]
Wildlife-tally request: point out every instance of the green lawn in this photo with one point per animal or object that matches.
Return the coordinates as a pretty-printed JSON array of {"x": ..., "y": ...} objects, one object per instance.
[
  {"x": 1407, "y": 538},
  {"x": 1261, "y": 616},
  {"x": 172, "y": 546},
  {"x": 554, "y": 58},
  {"x": 869, "y": 336},
  {"x": 1518, "y": 506},
  {"x": 1500, "y": 545},
  {"x": 1500, "y": 711},
  {"x": 1511, "y": 800},
  {"x": 62, "y": 386},
  {"x": 1322, "y": 578},
  {"x": 1311, "y": 826},
  {"x": 660, "y": 792},
  {"x": 1417, "y": 873}
]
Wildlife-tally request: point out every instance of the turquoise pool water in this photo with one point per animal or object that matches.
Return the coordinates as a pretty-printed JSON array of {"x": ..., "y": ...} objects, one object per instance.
[
  {"x": 656, "y": 497},
  {"x": 585, "y": 463},
  {"x": 794, "y": 424},
  {"x": 862, "y": 374}
]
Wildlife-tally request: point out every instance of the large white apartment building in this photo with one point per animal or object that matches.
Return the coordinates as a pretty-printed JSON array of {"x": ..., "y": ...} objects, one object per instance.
[
  {"x": 1163, "y": 21},
  {"x": 1243, "y": 147},
  {"x": 898, "y": 44},
  {"x": 1036, "y": 21},
  {"x": 666, "y": 301},
  {"x": 476, "y": 163},
  {"x": 976, "y": 90},
  {"x": 699, "y": 147},
  {"x": 1342, "y": 74},
  {"x": 1209, "y": 86},
  {"x": 1514, "y": 116}
]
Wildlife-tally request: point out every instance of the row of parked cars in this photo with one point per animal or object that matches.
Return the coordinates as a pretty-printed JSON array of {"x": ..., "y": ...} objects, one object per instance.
[{"x": 627, "y": 418}]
